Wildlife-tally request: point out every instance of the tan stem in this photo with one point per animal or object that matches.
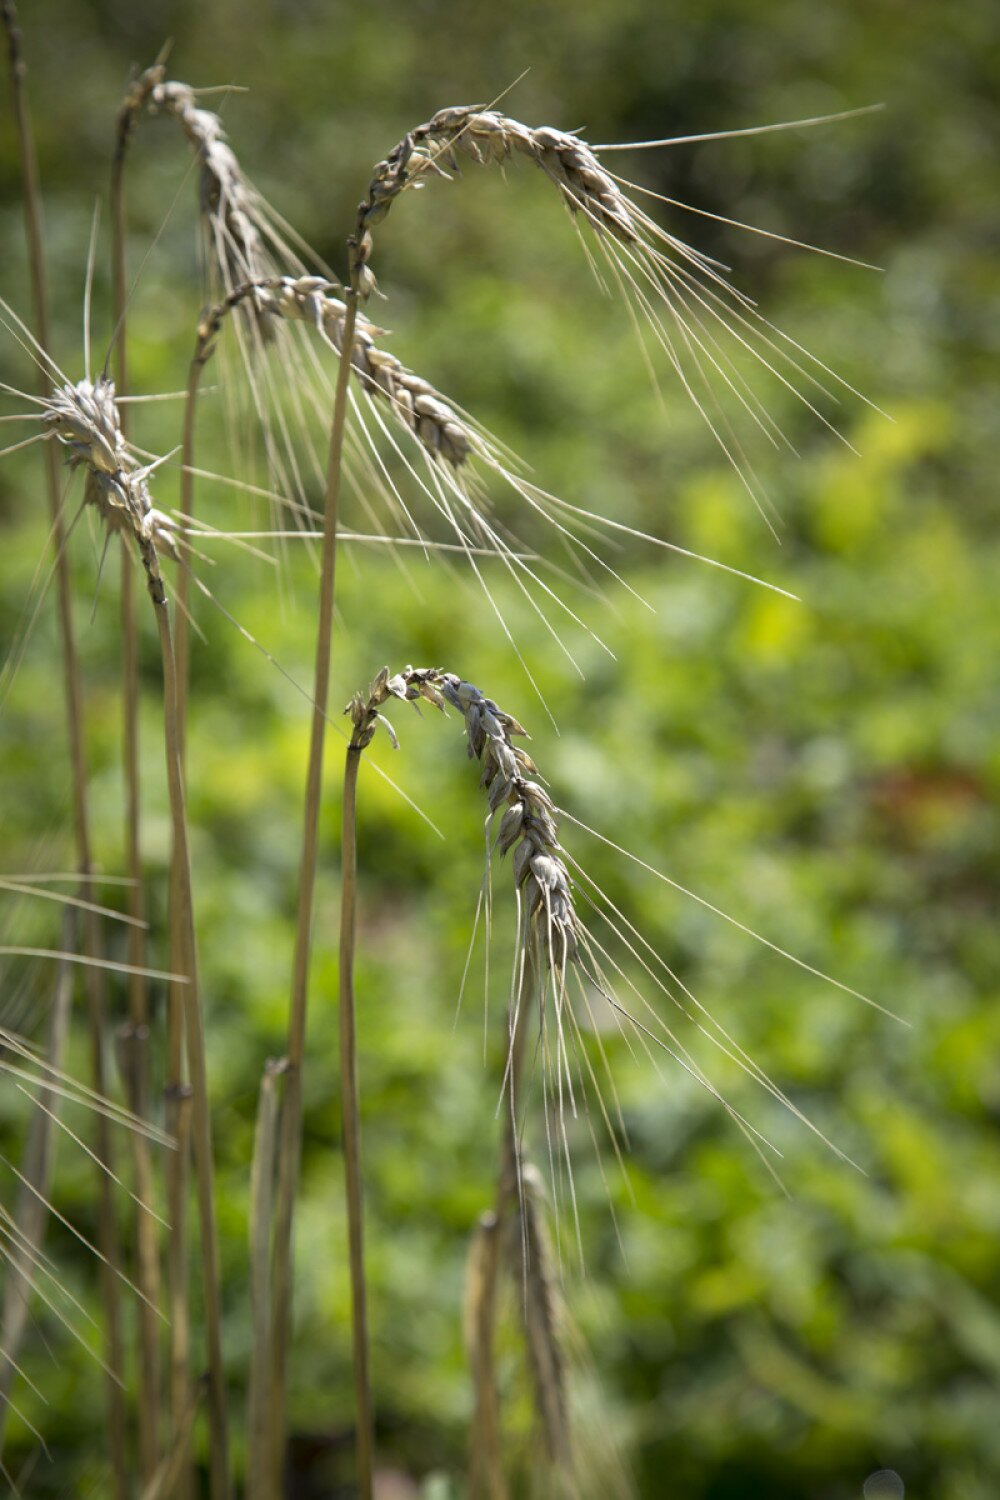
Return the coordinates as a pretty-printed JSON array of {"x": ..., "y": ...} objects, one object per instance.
[
  {"x": 291, "y": 1121},
  {"x": 351, "y": 1124},
  {"x": 96, "y": 984},
  {"x": 178, "y": 1100},
  {"x": 195, "y": 1047},
  {"x": 182, "y": 633},
  {"x": 259, "y": 1462},
  {"x": 486, "y": 1480},
  {"x": 147, "y": 1246}
]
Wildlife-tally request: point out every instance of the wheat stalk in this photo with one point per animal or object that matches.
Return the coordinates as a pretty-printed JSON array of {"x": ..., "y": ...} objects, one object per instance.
[
  {"x": 547, "y": 935},
  {"x": 290, "y": 1147},
  {"x": 177, "y": 1095},
  {"x": 94, "y": 979},
  {"x": 350, "y": 1110},
  {"x": 542, "y": 1300},
  {"x": 486, "y": 1476},
  {"x": 262, "y": 1174},
  {"x": 84, "y": 417},
  {"x": 147, "y": 1248}
]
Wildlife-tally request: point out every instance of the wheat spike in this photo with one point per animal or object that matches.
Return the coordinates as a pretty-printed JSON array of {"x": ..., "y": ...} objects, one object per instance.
[
  {"x": 84, "y": 417},
  {"x": 528, "y": 825},
  {"x": 489, "y": 137},
  {"x": 237, "y": 219},
  {"x": 441, "y": 430}
]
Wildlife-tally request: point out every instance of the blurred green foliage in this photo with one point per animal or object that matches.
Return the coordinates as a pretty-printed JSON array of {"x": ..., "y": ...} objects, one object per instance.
[{"x": 826, "y": 771}]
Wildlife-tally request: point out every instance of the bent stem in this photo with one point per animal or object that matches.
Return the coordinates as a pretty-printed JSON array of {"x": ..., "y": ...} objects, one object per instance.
[
  {"x": 194, "y": 1034},
  {"x": 95, "y": 982},
  {"x": 351, "y": 1121},
  {"x": 291, "y": 1121}
]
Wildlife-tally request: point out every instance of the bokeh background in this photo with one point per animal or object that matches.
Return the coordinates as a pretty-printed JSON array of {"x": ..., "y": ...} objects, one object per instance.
[{"x": 826, "y": 771}]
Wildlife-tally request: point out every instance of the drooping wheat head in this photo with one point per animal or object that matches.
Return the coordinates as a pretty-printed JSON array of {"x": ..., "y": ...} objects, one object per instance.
[
  {"x": 527, "y": 830},
  {"x": 438, "y": 426},
  {"x": 85, "y": 418},
  {"x": 488, "y": 137},
  {"x": 235, "y": 216},
  {"x": 679, "y": 301}
]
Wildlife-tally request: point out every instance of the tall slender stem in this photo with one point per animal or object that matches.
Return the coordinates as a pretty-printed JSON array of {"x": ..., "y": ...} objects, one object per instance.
[
  {"x": 486, "y": 1480},
  {"x": 147, "y": 1247},
  {"x": 178, "y": 1119},
  {"x": 291, "y": 1122},
  {"x": 351, "y": 1125},
  {"x": 182, "y": 633},
  {"x": 195, "y": 1046},
  {"x": 260, "y": 1466},
  {"x": 95, "y": 982}
]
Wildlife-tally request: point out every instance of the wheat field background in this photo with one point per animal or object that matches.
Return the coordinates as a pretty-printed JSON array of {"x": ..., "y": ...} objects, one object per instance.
[{"x": 826, "y": 770}]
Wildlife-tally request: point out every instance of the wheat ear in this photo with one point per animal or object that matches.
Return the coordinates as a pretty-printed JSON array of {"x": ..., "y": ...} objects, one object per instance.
[
  {"x": 233, "y": 212},
  {"x": 678, "y": 300},
  {"x": 414, "y": 402},
  {"x": 94, "y": 979},
  {"x": 547, "y": 936},
  {"x": 486, "y": 136},
  {"x": 430, "y": 417},
  {"x": 85, "y": 418}
]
